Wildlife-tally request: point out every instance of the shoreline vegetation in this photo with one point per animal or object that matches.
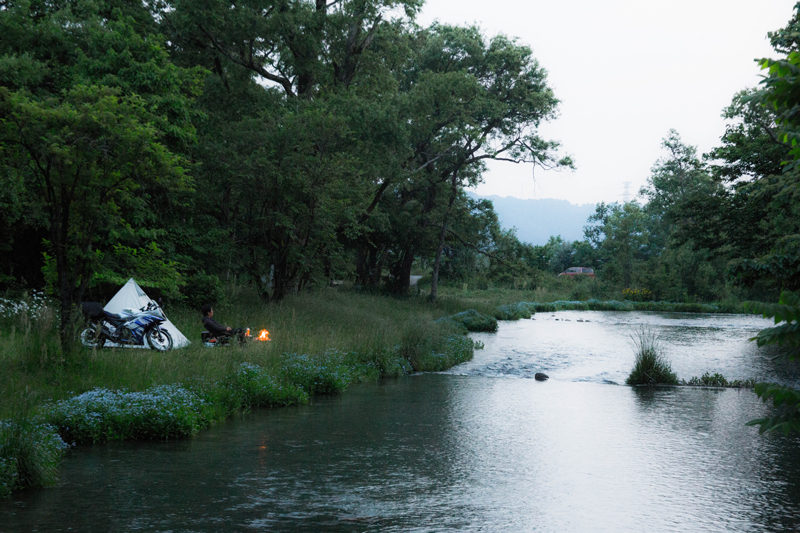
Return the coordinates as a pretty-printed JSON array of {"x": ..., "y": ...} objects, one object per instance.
[{"x": 323, "y": 342}]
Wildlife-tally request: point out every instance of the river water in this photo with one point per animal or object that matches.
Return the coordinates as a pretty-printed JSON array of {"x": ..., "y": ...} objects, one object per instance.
[{"x": 483, "y": 447}]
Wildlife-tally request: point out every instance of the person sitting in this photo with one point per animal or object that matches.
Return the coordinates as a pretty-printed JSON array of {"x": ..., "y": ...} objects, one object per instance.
[{"x": 212, "y": 326}]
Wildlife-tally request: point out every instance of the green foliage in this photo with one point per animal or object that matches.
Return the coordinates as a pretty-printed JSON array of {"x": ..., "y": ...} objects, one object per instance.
[
  {"x": 92, "y": 133},
  {"x": 203, "y": 289},
  {"x": 162, "y": 412},
  {"x": 148, "y": 265},
  {"x": 328, "y": 373},
  {"x": 431, "y": 347},
  {"x": 786, "y": 313},
  {"x": 718, "y": 380},
  {"x": 785, "y": 416},
  {"x": 513, "y": 311},
  {"x": 29, "y": 455},
  {"x": 474, "y": 320},
  {"x": 253, "y": 386},
  {"x": 448, "y": 352},
  {"x": 637, "y": 295},
  {"x": 650, "y": 366}
]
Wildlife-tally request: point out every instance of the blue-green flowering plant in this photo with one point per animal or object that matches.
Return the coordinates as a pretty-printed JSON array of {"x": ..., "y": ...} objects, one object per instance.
[
  {"x": 29, "y": 455},
  {"x": 99, "y": 415}
]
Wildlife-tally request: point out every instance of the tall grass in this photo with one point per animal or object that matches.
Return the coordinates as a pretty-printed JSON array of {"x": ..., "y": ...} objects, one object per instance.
[{"x": 650, "y": 367}]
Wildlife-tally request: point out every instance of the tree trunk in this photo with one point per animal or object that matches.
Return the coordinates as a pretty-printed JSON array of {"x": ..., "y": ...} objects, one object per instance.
[
  {"x": 368, "y": 266},
  {"x": 439, "y": 249},
  {"x": 437, "y": 262},
  {"x": 401, "y": 273}
]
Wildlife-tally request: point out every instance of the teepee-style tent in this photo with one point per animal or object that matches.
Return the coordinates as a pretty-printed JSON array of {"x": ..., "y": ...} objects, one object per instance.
[{"x": 131, "y": 296}]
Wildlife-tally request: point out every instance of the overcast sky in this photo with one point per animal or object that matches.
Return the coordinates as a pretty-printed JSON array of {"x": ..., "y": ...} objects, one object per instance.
[{"x": 625, "y": 71}]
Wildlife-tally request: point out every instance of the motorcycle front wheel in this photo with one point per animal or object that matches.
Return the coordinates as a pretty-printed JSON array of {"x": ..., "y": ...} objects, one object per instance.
[
  {"x": 91, "y": 338},
  {"x": 159, "y": 339}
]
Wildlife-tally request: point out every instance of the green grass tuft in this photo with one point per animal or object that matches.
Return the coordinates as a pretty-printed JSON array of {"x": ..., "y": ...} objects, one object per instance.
[
  {"x": 718, "y": 380},
  {"x": 650, "y": 366}
]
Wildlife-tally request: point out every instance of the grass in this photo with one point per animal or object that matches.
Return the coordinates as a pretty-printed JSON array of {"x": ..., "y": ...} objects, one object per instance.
[
  {"x": 718, "y": 380},
  {"x": 650, "y": 366}
]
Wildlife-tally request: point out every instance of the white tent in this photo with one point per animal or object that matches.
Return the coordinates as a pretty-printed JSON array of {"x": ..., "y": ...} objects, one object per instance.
[{"x": 131, "y": 296}]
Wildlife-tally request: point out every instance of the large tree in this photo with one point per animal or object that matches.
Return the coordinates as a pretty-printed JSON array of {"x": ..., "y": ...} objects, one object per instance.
[
  {"x": 467, "y": 100},
  {"x": 90, "y": 114}
]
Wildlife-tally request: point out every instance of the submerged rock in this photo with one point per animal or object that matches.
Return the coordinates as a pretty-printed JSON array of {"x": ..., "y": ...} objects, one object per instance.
[{"x": 541, "y": 376}]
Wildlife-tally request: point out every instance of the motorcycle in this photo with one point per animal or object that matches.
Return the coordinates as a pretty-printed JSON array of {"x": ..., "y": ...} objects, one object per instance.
[
  {"x": 129, "y": 328},
  {"x": 240, "y": 334}
]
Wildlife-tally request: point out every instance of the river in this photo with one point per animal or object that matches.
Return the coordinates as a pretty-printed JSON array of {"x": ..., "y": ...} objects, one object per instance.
[{"x": 482, "y": 447}]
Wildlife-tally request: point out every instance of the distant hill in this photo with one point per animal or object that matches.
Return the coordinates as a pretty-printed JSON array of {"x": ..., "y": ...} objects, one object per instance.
[{"x": 537, "y": 220}]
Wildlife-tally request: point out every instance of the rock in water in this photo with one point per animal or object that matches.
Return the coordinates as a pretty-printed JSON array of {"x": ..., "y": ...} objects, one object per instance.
[{"x": 541, "y": 376}]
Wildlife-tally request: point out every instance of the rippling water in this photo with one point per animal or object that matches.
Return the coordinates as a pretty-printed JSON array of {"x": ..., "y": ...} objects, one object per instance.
[
  {"x": 480, "y": 448},
  {"x": 597, "y": 346}
]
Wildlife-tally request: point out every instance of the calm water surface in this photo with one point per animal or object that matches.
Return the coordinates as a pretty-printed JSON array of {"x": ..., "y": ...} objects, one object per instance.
[{"x": 479, "y": 448}]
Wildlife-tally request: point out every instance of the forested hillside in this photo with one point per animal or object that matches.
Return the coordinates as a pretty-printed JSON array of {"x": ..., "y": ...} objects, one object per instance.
[{"x": 288, "y": 144}]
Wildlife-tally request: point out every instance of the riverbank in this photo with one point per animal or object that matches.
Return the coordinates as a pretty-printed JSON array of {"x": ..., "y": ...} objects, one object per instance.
[{"x": 322, "y": 343}]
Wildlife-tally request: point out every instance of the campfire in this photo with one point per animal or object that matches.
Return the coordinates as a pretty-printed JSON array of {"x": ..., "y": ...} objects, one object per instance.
[{"x": 263, "y": 335}]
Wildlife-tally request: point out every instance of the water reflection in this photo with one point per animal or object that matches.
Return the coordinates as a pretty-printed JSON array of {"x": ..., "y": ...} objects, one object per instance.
[{"x": 441, "y": 452}]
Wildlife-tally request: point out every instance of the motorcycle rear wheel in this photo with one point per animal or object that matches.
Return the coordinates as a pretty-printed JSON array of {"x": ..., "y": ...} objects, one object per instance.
[
  {"x": 91, "y": 338},
  {"x": 159, "y": 339}
]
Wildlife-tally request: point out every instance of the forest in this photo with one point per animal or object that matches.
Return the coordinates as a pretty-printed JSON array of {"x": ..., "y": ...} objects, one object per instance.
[{"x": 290, "y": 144}]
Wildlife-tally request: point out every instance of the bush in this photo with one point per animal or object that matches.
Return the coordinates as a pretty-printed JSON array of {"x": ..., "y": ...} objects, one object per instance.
[
  {"x": 473, "y": 320},
  {"x": 328, "y": 373},
  {"x": 650, "y": 367},
  {"x": 203, "y": 289},
  {"x": 456, "y": 349},
  {"x": 609, "y": 305},
  {"x": 377, "y": 364},
  {"x": 512, "y": 311},
  {"x": 718, "y": 380},
  {"x": 637, "y": 295},
  {"x": 29, "y": 455},
  {"x": 257, "y": 388},
  {"x": 100, "y": 415}
]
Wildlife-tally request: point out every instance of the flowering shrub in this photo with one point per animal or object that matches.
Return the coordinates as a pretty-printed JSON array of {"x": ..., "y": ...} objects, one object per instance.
[
  {"x": 30, "y": 307},
  {"x": 257, "y": 388},
  {"x": 162, "y": 412},
  {"x": 637, "y": 295},
  {"x": 29, "y": 455},
  {"x": 328, "y": 373},
  {"x": 377, "y": 364}
]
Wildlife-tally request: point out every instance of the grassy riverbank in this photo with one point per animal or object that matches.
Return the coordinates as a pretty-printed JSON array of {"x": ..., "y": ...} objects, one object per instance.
[{"x": 321, "y": 343}]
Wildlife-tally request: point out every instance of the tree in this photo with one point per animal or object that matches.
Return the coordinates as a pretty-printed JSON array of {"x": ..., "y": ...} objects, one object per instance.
[
  {"x": 780, "y": 93},
  {"x": 83, "y": 156},
  {"x": 89, "y": 127},
  {"x": 621, "y": 236},
  {"x": 687, "y": 210},
  {"x": 466, "y": 101}
]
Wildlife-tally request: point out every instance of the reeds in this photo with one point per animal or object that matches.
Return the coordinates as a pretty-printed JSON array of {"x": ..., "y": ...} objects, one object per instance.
[{"x": 650, "y": 366}]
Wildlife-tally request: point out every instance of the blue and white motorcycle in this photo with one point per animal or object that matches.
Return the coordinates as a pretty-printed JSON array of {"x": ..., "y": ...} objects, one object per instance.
[{"x": 129, "y": 328}]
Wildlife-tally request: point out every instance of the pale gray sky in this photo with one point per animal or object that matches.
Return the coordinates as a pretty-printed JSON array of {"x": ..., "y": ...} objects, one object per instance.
[{"x": 626, "y": 71}]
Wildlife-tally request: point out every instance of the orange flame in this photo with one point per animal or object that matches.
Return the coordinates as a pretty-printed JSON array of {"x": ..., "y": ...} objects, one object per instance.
[{"x": 263, "y": 335}]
